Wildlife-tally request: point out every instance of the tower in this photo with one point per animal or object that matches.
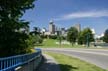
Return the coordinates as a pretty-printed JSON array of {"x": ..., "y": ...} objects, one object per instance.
[
  {"x": 51, "y": 27},
  {"x": 78, "y": 27}
]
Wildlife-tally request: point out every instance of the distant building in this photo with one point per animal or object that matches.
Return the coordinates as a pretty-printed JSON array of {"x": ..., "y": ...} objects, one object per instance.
[
  {"x": 47, "y": 33},
  {"x": 63, "y": 31},
  {"x": 78, "y": 27},
  {"x": 51, "y": 27},
  {"x": 43, "y": 30}
]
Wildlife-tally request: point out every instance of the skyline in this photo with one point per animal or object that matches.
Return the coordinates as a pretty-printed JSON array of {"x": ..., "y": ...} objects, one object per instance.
[{"x": 66, "y": 13}]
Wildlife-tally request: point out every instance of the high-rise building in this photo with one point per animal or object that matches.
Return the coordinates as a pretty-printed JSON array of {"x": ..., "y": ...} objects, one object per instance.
[
  {"x": 78, "y": 27},
  {"x": 51, "y": 27}
]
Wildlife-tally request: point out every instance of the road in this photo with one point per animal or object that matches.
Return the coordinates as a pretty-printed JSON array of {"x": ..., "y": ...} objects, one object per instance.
[{"x": 99, "y": 57}]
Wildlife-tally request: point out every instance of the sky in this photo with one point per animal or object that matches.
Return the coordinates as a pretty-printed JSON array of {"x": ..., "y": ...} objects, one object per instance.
[{"x": 67, "y": 13}]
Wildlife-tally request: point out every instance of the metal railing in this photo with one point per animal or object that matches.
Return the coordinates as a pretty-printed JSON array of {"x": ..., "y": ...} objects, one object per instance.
[{"x": 10, "y": 63}]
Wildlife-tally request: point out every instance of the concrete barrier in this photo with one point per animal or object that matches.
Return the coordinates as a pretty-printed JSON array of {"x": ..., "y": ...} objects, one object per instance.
[{"x": 30, "y": 66}]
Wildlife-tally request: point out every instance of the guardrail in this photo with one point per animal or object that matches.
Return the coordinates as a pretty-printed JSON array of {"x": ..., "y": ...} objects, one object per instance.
[{"x": 10, "y": 63}]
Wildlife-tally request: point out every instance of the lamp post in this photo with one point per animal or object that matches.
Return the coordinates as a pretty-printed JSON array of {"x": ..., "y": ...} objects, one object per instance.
[
  {"x": 88, "y": 37},
  {"x": 60, "y": 40},
  {"x": 59, "y": 36}
]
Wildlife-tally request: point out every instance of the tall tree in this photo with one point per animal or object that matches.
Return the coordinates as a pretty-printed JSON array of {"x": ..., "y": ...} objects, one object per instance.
[
  {"x": 105, "y": 38},
  {"x": 72, "y": 35},
  {"x": 80, "y": 38},
  {"x": 13, "y": 35},
  {"x": 85, "y": 36}
]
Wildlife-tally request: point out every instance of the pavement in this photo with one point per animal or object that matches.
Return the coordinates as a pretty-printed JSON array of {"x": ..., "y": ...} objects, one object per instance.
[
  {"x": 49, "y": 64},
  {"x": 98, "y": 57}
]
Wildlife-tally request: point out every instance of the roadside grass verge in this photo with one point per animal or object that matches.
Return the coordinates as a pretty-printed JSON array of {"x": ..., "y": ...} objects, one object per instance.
[
  {"x": 51, "y": 43},
  {"x": 68, "y": 63}
]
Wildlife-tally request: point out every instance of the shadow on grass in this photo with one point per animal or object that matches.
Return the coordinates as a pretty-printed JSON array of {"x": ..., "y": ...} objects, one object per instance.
[
  {"x": 65, "y": 67},
  {"x": 49, "y": 65}
]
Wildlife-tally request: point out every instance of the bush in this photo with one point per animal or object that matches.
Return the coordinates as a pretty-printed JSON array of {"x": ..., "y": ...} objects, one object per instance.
[
  {"x": 44, "y": 36},
  {"x": 53, "y": 36},
  {"x": 35, "y": 39}
]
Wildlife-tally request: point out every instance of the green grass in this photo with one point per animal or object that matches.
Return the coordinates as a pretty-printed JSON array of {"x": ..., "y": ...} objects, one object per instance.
[
  {"x": 68, "y": 63},
  {"x": 52, "y": 43}
]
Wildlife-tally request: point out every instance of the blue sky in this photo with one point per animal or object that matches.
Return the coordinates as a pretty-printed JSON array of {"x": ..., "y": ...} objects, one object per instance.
[{"x": 66, "y": 13}]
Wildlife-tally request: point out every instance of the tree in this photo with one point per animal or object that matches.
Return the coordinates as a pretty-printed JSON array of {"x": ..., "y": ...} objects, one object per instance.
[
  {"x": 72, "y": 35},
  {"x": 105, "y": 38},
  {"x": 13, "y": 31},
  {"x": 35, "y": 36},
  {"x": 85, "y": 36},
  {"x": 80, "y": 38},
  {"x": 37, "y": 30}
]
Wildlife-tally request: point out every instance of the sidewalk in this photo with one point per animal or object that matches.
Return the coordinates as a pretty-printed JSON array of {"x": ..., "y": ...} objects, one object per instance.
[{"x": 49, "y": 64}]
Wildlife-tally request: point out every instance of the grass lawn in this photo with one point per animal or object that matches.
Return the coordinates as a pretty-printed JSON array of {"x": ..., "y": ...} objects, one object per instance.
[
  {"x": 52, "y": 43},
  {"x": 68, "y": 63}
]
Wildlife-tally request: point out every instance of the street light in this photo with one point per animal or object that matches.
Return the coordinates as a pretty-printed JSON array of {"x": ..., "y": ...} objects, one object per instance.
[
  {"x": 93, "y": 32},
  {"x": 88, "y": 37},
  {"x": 59, "y": 36}
]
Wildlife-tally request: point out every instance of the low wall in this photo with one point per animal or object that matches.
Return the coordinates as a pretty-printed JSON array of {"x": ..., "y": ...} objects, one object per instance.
[{"x": 30, "y": 66}]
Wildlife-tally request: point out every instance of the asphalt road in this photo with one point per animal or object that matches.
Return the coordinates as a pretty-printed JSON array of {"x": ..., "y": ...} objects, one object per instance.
[{"x": 99, "y": 57}]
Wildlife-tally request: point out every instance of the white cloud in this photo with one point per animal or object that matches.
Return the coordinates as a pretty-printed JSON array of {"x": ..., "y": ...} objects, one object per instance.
[{"x": 87, "y": 14}]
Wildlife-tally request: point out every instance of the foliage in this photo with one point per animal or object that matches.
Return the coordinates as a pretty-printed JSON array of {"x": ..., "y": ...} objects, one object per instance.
[
  {"x": 36, "y": 31},
  {"x": 72, "y": 35},
  {"x": 101, "y": 38},
  {"x": 44, "y": 36},
  {"x": 53, "y": 36},
  {"x": 36, "y": 37},
  {"x": 14, "y": 31},
  {"x": 35, "y": 40},
  {"x": 83, "y": 35},
  {"x": 105, "y": 38},
  {"x": 80, "y": 38}
]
